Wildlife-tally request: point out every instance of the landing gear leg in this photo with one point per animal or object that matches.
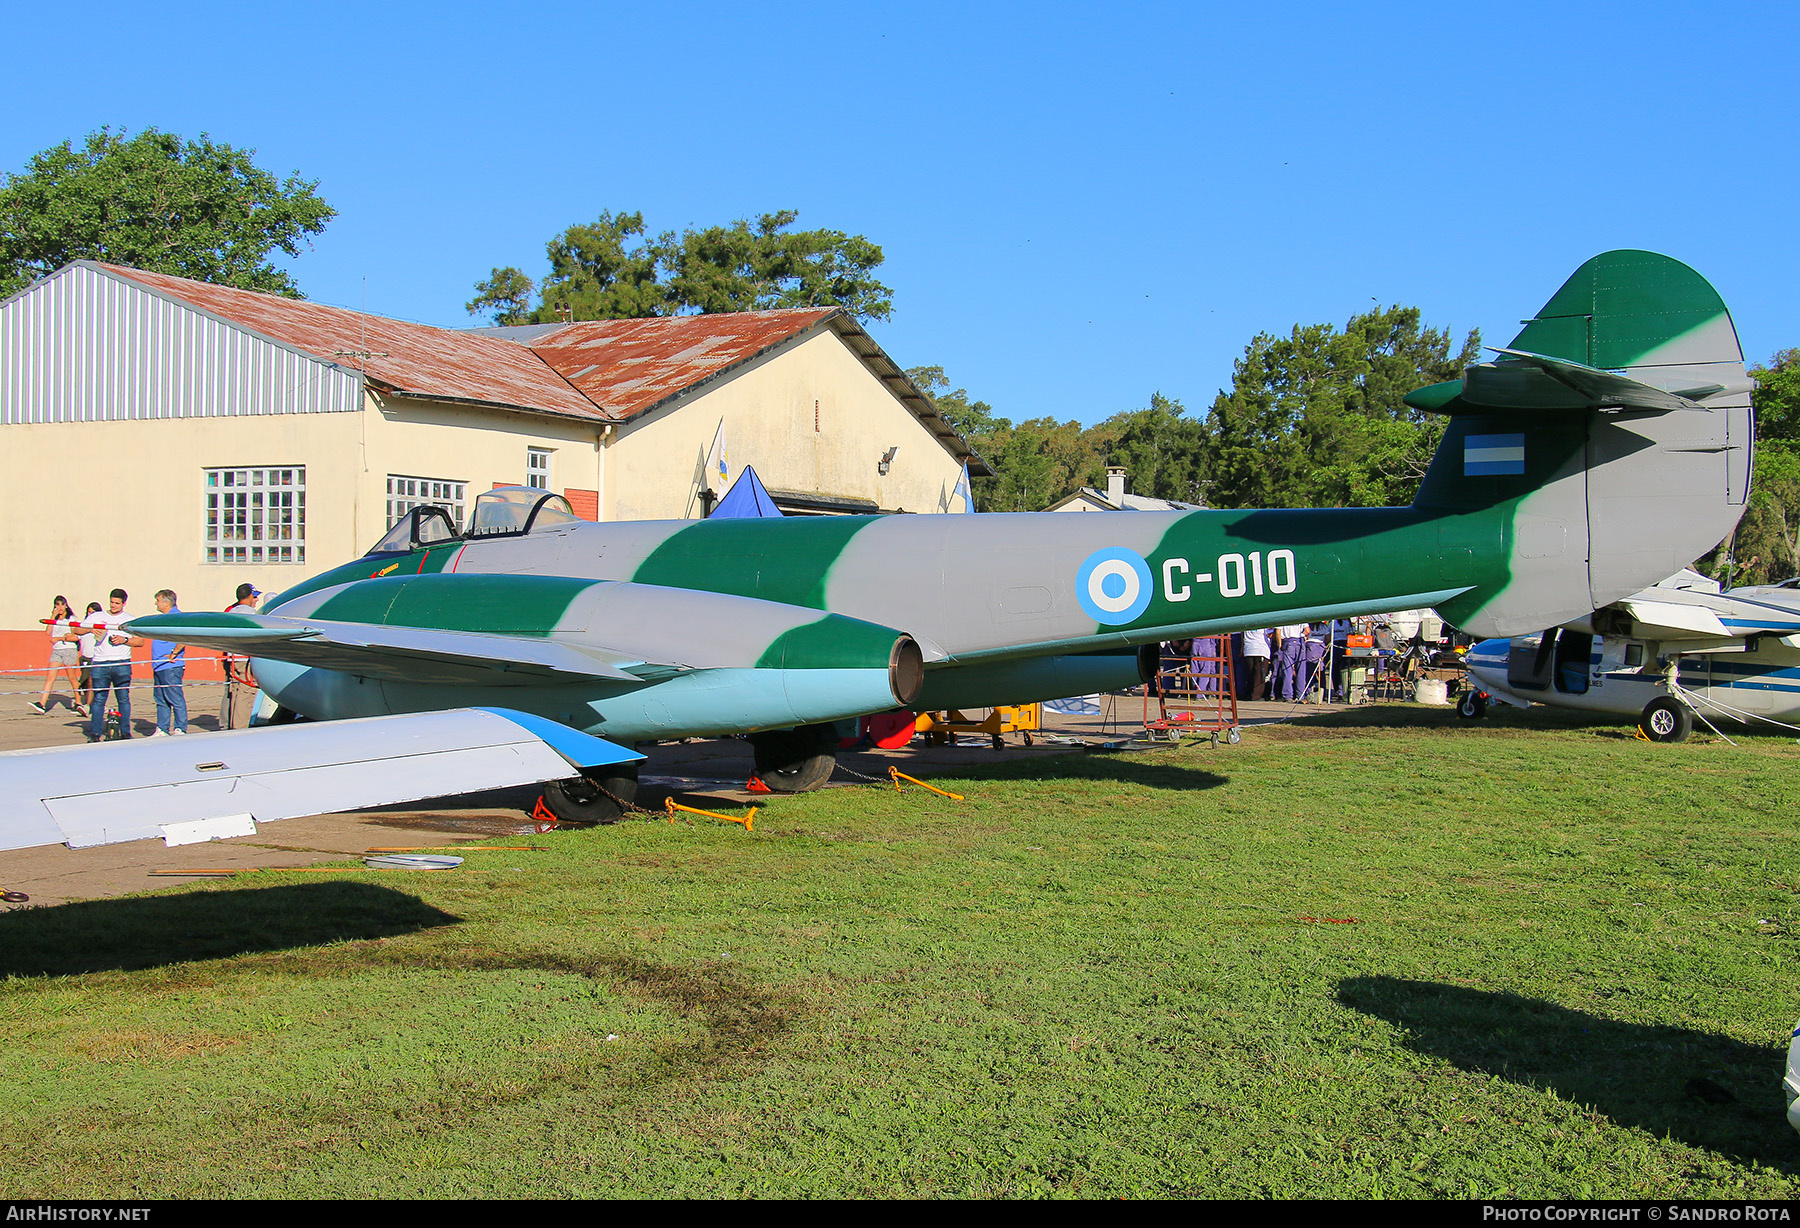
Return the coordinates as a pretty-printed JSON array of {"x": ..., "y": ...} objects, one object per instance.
[
  {"x": 795, "y": 760},
  {"x": 599, "y": 796}
]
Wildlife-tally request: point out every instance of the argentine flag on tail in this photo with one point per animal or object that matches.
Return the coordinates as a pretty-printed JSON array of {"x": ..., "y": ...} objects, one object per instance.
[{"x": 1484, "y": 455}]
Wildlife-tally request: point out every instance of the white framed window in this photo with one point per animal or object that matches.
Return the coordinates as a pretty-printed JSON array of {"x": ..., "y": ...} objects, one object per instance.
[
  {"x": 537, "y": 467},
  {"x": 256, "y": 516},
  {"x": 404, "y": 493}
]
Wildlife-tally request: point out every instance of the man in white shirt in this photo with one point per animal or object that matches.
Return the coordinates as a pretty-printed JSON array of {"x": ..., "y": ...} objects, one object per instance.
[
  {"x": 1256, "y": 658},
  {"x": 111, "y": 666}
]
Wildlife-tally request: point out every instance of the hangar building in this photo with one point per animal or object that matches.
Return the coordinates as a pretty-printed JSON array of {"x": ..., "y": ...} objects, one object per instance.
[{"x": 167, "y": 433}]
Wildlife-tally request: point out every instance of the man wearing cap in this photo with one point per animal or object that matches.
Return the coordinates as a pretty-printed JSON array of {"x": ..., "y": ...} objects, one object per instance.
[{"x": 240, "y": 683}]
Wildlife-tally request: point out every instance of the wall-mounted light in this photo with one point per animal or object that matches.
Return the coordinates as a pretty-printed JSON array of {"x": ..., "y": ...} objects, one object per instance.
[{"x": 887, "y": 458}]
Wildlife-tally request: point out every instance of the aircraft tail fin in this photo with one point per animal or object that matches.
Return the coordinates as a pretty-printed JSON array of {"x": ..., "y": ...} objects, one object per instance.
[{"x": 1614, "y": 431}]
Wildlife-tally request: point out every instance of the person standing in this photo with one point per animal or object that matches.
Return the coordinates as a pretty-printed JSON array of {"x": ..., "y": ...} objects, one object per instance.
[
  {"x": 1340, "y": 660},
  {"x": 1290, "y": 650},
  {"x": 1256, "y": 660},
  {"x": 240, "y": 682},
  {"x": 1205, "y": 668},
  {"x": 111, "y": 667},
  {"x": 168, "y": 667},
  {"x": 64, "y": 656},
  {"x": 84, "y": 653},
  {"x": 1318, "y": 641}
]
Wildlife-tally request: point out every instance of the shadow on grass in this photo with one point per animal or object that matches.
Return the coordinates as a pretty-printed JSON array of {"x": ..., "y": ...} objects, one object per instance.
[
  {"x": 1150, "y": 773},
  {"x": 156, "y": 930},
  {"x": 1504, "y": 719},
  {"x": 1638, "y": 1075},
  {"x": 1417, "y": 716}
]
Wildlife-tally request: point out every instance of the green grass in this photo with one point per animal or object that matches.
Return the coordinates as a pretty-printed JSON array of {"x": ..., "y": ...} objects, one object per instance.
[{"x": 1091, "y": 979}]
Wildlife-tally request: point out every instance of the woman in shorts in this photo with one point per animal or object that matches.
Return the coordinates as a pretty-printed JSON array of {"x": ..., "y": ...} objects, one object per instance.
[{"x": 64, "y": 656}]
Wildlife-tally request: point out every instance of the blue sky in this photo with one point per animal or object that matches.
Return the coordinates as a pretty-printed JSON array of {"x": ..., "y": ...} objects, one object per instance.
[{"x": 1080, "y": 204}]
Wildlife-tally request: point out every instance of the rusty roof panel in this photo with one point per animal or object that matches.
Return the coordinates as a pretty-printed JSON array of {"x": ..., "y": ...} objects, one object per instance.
[
  {"x": 628, "y": 366},
  {"x": 413, "y": 358},
  {"x": 607, "y": 370}
]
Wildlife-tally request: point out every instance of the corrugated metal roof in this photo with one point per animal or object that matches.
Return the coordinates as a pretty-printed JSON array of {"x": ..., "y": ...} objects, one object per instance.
[
  {"x": 609, "y": 370},
  {"x": 628, "y": 366},
  {"x": 437, "y": 363}
]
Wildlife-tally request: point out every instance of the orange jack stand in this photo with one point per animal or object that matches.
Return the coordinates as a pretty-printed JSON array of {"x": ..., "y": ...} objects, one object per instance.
[
  {"x": 674, "y": 805},
  {"x": 897, "y": 776}
]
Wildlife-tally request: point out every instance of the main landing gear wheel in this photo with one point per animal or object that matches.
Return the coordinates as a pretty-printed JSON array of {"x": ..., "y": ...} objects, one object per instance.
[
  {"x": 1472, "y": 705},
  {"x": 795, "y": 760},
  {"x": 1666, "y": 720},
  {"x": 600, "y": 796}
]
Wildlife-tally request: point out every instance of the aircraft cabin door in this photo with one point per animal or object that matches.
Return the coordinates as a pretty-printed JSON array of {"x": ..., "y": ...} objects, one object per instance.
[{"x": 1574, "y": 653}]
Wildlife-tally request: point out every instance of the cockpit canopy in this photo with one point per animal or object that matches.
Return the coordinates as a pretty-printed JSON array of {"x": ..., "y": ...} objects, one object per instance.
[{"x": 506, "y": 511}]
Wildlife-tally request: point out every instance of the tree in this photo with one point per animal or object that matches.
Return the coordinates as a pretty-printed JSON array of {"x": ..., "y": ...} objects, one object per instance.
[
  {"x": 1777, "y": 397},
  {"x": 1316, "y": 419},
  {"x": 1164, "y": 452},
  {"x": 595, "y": 274},
  {"x": 598, "y": 273},
  {"x": 154, "y": 201},
  {"x": 1766, "y": 544},
  {"x": 973, "y": 420}
]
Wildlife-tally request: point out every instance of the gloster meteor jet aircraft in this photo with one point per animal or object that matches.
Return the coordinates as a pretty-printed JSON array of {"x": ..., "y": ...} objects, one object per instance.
[{"x": 1607, "y": 446}]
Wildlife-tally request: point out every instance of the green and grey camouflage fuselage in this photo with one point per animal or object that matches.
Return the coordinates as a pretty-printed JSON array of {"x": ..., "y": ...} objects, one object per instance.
[{"x": 1606, "y": 449}]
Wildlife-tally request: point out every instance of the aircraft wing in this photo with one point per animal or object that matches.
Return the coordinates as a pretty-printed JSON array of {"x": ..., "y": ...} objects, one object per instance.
[
  {"x": 1666, "y": 620},
  {"x": 1688, "y": 613},
  {"x": 407, "y": 654},
  {"x": 208, "y": 785}
]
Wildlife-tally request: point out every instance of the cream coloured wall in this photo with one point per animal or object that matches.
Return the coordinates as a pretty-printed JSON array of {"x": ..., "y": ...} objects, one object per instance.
[
  {"x": 466, "y": 444},
  {"x": 768, "y": 407},
  {"x": 89, "y": 506}
]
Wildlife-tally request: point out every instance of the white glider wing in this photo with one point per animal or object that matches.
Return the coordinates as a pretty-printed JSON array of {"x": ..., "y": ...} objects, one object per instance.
[{"x": 208, "y": 784}]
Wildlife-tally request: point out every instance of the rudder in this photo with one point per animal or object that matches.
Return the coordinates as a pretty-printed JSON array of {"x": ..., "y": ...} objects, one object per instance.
[{"x": 1612, "y": 437}]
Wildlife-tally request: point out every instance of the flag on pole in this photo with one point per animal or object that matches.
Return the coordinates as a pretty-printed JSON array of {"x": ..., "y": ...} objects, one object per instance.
[
  {"x": 718, "y": 461},
  {"x": 962, "y": 488}
]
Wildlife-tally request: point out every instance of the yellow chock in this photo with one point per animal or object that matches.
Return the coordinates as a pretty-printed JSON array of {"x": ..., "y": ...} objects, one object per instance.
[
  {"x": 897, "y": 776},
  {"x": 745, "y": 819}
]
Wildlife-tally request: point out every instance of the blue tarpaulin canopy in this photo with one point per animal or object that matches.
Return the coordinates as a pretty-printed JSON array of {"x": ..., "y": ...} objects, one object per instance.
[{"x": 746, "y": 498}]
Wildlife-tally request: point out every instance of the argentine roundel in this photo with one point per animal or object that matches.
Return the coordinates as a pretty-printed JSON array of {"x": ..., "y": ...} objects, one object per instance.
[{"x": 1113, "y": 586}]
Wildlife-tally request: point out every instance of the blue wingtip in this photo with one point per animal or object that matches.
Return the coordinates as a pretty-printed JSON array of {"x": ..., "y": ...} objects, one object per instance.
[{"x": 580, "y": 749}]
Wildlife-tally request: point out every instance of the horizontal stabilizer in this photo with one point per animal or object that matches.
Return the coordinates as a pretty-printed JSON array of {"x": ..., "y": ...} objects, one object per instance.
[
  {"x": 1537, "y": 381},
  {"x": 214, "y": 784}
]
